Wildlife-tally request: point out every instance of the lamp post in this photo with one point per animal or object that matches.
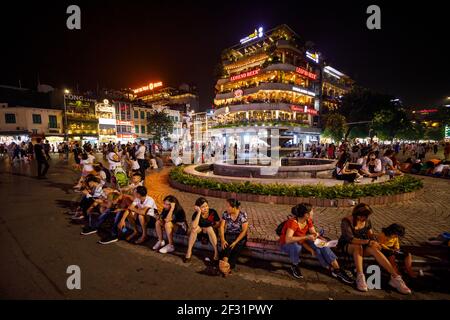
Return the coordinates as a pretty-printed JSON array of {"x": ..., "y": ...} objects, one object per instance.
[{"x": 66, "y": 91}]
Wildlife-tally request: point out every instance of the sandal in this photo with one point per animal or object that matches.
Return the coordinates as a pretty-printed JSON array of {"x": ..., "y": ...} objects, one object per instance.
[{"x": 141, "y": 240}]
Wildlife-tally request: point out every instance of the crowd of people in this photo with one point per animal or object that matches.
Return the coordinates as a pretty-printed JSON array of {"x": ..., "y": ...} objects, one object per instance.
[
  {"x": 123, "y": 210},
  {"x": 358, "y": 160}
]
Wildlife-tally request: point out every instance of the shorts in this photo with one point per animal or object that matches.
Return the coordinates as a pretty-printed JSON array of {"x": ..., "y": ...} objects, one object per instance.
[{"x": 398, "y": 255}]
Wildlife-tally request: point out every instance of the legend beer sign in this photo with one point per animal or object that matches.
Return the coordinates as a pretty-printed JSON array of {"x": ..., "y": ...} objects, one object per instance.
[{"x": 149, "y": 87}]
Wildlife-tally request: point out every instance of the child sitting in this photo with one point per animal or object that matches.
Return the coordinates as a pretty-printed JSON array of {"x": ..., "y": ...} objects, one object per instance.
[
  {"x": 136, "y": 181},
  {"x": 390, "y": 244}
]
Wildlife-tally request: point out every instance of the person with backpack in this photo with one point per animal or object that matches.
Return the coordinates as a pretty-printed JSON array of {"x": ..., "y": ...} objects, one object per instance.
[{"x": 299, "y": 230}]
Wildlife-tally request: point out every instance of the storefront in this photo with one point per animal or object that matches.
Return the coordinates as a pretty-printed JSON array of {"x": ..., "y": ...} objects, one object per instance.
[
  {"x": 106, "y": 122},
  {"x": 80, "y": 117}
]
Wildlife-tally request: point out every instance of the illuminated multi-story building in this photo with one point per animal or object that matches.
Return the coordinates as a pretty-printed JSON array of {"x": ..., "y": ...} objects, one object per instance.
[
  {"x": 106, "y": 114},
  {"x": 335, "y": 85},
  {"x": 270, "y": 80},
  {"x": 81, "y": 122},
  {"x": 183, "y": 99}
]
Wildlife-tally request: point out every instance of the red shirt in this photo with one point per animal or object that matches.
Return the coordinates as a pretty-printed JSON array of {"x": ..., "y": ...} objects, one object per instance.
[{"x": 298, "y": 232}]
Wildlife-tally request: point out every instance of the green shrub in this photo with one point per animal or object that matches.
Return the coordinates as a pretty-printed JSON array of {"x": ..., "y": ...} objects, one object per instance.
[{"x": 398, "y": 185}]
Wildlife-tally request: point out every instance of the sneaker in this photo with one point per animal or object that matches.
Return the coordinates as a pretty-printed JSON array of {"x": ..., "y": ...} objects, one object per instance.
[
  {"x": 398, "y": 283},
  {"x": 167, "y": 249},
  {"x": 342, "y": 275},
  {"x": 108, "y": 240},
  {"x": 88, "y": 230},
  {"x": 361, "y": 284},
  {"x": 296, "y": 272},
  {"x": 159, "y": 245}
]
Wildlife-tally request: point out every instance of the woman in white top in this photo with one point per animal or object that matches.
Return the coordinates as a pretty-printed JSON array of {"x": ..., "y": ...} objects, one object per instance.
[
  {"x": 372, "y": 166},
  {"x": 113, "y": 159}
]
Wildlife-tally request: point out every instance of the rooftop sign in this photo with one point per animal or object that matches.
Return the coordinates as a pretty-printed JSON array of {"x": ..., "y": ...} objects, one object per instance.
[
  {"x": 148, "y": 87},
  {"x": 313, "y": 56},
  {"x": 255, "y": 35}
]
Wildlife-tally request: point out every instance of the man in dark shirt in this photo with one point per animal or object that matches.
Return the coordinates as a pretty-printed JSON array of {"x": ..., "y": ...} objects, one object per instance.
[{"x": 41, "y": 159}]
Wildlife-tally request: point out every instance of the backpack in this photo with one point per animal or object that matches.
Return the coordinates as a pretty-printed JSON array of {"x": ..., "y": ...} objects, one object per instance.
[
  {"x": 121, "y": 177},
  {"x": 108, "y": 175},
  {"x": 280, "y": 227},
  {"x": 334, "y": 173}
]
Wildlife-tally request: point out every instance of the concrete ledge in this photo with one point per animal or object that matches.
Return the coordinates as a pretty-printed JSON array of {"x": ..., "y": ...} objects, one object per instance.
[{"x": 270, "y": 251}]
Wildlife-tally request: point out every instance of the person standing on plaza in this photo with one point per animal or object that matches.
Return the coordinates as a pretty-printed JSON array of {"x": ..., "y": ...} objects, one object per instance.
[
  {"x": 140, "y": 156},
  {"x": 47, "y": 149},
  {"x": 30, "y": 151},
  {"x": 447, "y": 151},
  {"x": 40, "y": 159}
]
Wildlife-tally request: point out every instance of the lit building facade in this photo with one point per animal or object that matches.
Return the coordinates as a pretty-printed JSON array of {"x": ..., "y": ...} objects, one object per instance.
[
  {"x": 335, "y": 85},
  {"x": 140, "y": 117},
  {"x": 81, "y": 122},
  {"x": 106, "y": 114},
  {"x": 124, "y": 122},
  {"x": 19, "y": 124},
  {"x": 269, "y": 81}
]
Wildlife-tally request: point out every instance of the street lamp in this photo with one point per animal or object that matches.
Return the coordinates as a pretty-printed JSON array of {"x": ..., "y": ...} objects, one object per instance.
[{"x": 66, "y": 91}]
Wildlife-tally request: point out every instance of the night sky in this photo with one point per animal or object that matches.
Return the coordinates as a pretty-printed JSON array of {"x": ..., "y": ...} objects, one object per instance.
[{"x": 128, "y": 44}]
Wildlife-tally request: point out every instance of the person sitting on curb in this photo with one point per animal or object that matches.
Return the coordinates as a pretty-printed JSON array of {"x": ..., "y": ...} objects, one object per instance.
[
  {"x": 142, "y": 209},
  {"x": 390, "y": 247},
  {"x": 204, "y": 222},
  {"x": 358, "y": 240},
  {"x": 233, "y": 235},
  {"x": 172, "y": 219},
  {"x": 300, "y": 229}
]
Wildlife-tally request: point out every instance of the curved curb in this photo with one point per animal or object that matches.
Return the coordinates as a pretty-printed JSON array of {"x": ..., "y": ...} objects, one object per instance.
[{"x": 317, "y": 202}]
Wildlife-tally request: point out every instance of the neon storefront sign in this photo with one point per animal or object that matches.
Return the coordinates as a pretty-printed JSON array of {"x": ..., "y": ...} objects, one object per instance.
[
  {"x": 245, "y": 75},
  {"x": 304, "y": 109},
  {"x": 148, "y": 87},
  {"x": 306, "y": 73},
  {"x": 304, "y": 91}
]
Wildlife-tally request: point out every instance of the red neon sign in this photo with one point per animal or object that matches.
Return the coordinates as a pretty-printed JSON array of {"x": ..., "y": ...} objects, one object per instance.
[
  {"x": 306, "y": 73},
  {"x": 245, "y": 75},
  {"x": 428, "y": 110},
  {"x": 304, "y": 109},
  {"x": 148, "y": 87}
]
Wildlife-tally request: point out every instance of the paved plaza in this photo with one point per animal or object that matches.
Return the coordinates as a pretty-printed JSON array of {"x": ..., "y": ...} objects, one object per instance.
[
  {"x": 37, "y": 243},
  {"x": 425, "y": 216}
]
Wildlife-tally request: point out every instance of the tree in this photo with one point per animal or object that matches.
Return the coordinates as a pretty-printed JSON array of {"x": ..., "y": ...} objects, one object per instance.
[
  {"x": 435, "y": 133},
  {"x": 361, "y": 104},
  {"x": 335, "y": 126},
  {"x": 387, "y": 123},
  {"x": 159, "y": 125},
  {"x": 413, "y": 131}
]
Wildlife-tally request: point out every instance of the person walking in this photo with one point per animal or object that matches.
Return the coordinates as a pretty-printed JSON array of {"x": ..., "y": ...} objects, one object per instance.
[
  {"x": 140, "y": 156},
  {"x": 47, "y": 149},
  {"x": 41, "y": 159}
]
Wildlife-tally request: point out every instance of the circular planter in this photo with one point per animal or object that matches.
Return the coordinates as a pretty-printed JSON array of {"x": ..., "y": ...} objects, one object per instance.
[{"x": 318, "y": 202}]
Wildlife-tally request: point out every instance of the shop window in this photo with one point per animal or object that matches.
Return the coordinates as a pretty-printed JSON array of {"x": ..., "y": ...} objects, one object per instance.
[
  {"x": 10, "y": 118},
  {"x": 37, "y": 119},
  {"x": 52, "y": 122}
]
